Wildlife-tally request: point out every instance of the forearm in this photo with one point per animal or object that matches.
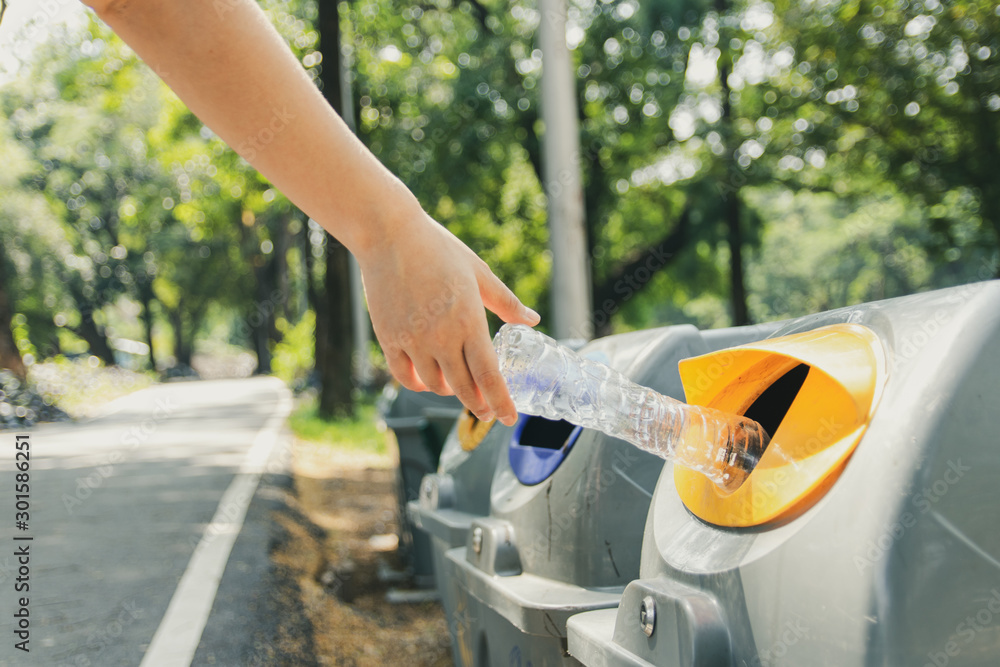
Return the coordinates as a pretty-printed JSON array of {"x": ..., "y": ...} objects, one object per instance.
[
  {"x": 426, "y": 289},
  {"x": 231, "y": 68}
]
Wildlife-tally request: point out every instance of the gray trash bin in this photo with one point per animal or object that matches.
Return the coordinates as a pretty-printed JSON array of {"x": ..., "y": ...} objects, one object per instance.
[
  {"x": 877, "y": 542},
  {"x": 420, "y": 422},
  {"x": 566, "y": 517}
]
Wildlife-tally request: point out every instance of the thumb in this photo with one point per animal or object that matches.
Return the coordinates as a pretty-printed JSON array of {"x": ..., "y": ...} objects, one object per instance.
[{"x": 498, "y": 298}]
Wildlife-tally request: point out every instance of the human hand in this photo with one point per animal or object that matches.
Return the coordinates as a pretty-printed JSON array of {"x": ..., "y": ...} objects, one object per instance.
[{"x": 426, "y": 292}]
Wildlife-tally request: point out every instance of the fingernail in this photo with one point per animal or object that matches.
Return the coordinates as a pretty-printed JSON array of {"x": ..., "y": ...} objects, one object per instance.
[
  {"x": 532, "y": 314},
  {"x": 486, "y": 417},
  {"x": 508, "y": 420}
]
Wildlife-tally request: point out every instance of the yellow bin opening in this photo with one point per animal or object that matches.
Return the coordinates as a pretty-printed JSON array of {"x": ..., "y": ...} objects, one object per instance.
[
  {"x": 818, "y": 426},
  {"x": 471, "y": 431}
]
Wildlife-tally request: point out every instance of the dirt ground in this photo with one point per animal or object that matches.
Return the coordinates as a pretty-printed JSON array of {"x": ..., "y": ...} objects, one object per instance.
[{"x": 350, "y": 497}]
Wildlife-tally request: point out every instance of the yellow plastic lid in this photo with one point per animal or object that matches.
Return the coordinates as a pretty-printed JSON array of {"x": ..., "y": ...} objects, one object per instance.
[
  {"x": 471, "y": 431},
  {"x": 816, "y": 437}
]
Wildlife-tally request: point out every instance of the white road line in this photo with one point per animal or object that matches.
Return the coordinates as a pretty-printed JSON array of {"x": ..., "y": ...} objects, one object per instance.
[{"x": 179, "y": 634}]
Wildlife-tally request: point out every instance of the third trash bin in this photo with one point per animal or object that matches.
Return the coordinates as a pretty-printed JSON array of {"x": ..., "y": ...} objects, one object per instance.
[
  {"x": 872, "y": 540},
  {"x": 453, "y": 497}
]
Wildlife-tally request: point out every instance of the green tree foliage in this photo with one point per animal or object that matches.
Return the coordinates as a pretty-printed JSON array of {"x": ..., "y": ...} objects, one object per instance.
[
  {"x": 908, "y": 93},
  {"x": 116, "y": 193},
  {"x": 742, "y": 160}
]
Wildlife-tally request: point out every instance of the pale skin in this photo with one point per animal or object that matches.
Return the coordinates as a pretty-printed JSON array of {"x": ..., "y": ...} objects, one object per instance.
[{"x": 426, "y": 289}]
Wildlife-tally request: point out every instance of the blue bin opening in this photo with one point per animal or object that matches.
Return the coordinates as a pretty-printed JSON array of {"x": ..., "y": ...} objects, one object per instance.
[{"x": 538, "y": 446}]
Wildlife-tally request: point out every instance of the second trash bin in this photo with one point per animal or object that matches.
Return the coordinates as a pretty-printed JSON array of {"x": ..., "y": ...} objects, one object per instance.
[
  {"x": 566, "y": 517},
  {"x": 452, "y": 498}
]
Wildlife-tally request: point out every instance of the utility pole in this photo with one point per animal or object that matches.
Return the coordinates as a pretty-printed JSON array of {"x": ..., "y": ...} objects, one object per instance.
[
  {"x": 571, "y": 308},
  {"x": 360, "y": 320}
]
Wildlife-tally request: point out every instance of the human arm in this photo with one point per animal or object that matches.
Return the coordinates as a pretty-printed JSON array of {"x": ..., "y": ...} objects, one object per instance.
[{"x": 426, "y": 289}]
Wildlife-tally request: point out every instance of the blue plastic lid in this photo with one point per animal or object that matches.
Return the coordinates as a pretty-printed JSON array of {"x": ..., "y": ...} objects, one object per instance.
[{"x": 538, "y": 446}]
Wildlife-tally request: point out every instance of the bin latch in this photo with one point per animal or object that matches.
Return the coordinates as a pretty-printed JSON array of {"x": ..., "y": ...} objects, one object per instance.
[{"x": 491, "y": 547}]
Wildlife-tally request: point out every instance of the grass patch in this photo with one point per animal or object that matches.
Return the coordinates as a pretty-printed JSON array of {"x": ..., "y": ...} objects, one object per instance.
[{"x": 357, "y": 433}]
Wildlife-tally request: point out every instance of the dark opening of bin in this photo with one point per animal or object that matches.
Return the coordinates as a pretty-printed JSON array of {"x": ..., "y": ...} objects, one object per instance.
[
  {"x": 771, "y": 406},
  {"x": 545, "y": 433}
]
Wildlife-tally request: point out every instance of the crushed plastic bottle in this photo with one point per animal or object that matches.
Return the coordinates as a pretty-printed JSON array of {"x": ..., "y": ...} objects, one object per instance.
[{"x": 551, "y": 381}]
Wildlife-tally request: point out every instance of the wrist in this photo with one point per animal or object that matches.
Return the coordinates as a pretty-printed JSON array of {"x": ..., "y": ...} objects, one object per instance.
[{"x": 386, "y": 221}]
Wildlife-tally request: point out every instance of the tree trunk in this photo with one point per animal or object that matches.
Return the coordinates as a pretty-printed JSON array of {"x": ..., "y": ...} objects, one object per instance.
[
  {"x": 262, "y": 326},
  {"x": 146, "y": 296},
  {"x": 261, "y": 320},
  {"x": 10, "y": 356},
  {"x": 336, "y": 397},
  {"x": 570, "y": 296},
  {"x": 737, "y": 289},
  {"x": 731, "y": 204},
  {"x": 281, "y": 238},
  {"x": 333, "y": 322},
  {"x": 261, "y": 345},
  {"x": 94, "y": 334},
  {"x": 181, "y": 351}
]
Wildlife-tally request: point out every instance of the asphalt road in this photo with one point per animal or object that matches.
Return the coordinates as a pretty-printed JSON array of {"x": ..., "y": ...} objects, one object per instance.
[{"x": 118, "y": 508}]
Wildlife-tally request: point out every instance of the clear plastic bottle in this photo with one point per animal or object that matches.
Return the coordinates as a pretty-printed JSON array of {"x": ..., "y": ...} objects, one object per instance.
[{"x": 551, "y": 381}]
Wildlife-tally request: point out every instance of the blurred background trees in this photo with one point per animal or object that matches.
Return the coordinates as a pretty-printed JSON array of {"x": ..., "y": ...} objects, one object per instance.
[{"x": 743, "y": 161}]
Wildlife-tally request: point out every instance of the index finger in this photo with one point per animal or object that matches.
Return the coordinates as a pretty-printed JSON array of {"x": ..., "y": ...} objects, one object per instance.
[{"x": 485, "y": 371}]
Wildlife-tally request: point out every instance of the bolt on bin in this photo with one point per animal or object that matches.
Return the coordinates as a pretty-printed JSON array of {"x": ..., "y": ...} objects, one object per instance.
[
  {"x": 871, "y": 540},
  {"x": 420, "y": 422},
  {"x": 566, "y": 517}
]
